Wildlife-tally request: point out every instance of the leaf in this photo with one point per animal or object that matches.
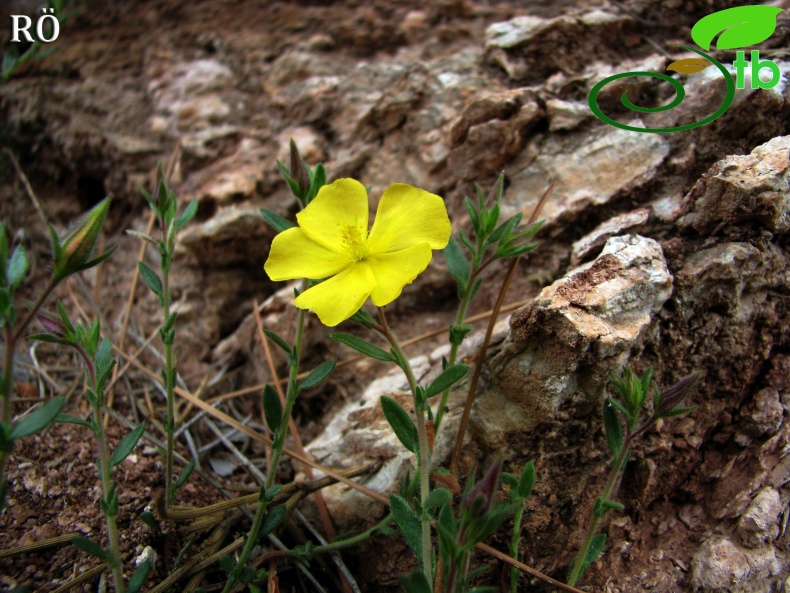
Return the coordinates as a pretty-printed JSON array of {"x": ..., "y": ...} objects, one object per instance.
[
  {"x": 274, "y": 220},
  {"x": 447, "y": 379},
  {"x": 69, "y": 419},
  {"x": 401, "y": 423},
  {"x": 38, "y": 420},
  {"x": 597, "y": 544},
  {"x": 473, "y": 215},
  {"x": 457, "y": 264},
  {"x": 273, "y": 519},
  {"x": 272, "y": 408},
  {"x": 409, "y": 524},
  {"x": 126, "y": 445},
  {"x": 138, "y": 578},
  {"x": 448, "y": 534},
  {"x": 317, "y": 375},
  {"x": 362, "y": 346},
  {"x": 187, "y": 215},
  {"x": 184, "y": 475},
  {"x": 527, "y": 480},
  {"x": 278, "y": 340},
  {"x": 151, "y": 279},
  {"x": 741, "y": 26},
  {"x": 17, "y": 268},
  {"x": 90, "y": 546},
  {"x": 416, "y": 582},
  {"x": 612, "y": 428},
  {"x": 689, "y": 65},
  {"x": 438, "y": 497}
]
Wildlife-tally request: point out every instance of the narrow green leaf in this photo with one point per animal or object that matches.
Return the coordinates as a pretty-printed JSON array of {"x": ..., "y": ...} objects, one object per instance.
[
  {"x": 401, "y": 423},
  {"x": 278, "y": 340},
  {"x": 288, "y": 179},
  {"x": 126, "y": 445},
  {"x": 38, "y": 420},
  {"x": 409, "y": 524},
  {"x": 138, "y": 578},
  {"x": 416, "y": 582},
  {"x": 596, "y": 547},
  {"x": 363, "y": 318},
  {"x": 612, "y": 428},
  {"x": 318, "y": 180},
  {"x": 187, "y": 215},
  {"x": 457, "y": 264},
  {"x": 317, "y": 375},
  {"x": 184, "y": 475},
  {"x": 274, "y": 220},
  {"x": 151, "y": 279},
  {"x": 448, "y": 533},
  {"x": 362, "y": 346},
  {"x": 149, "y": 519},
  {"x": 91, "y": 547},
  {"x": 527, "y": 480},
  {"x": 447, "y": 379},
  {"x": 273, "y": 520},
  {"x": 473, "y": 215},
  {"x": 272, "y": 408},
  {"x": 69, "y": 419},
  {"x": 17, "y": 268},
  {"x": 227, "y": 564},
  {"x": 438, "y": 497}
]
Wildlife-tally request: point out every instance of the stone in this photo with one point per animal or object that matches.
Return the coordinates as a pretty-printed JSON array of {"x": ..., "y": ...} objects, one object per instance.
[
  {"x": 595, "y": 239},
  {"x": 566, "y": 115},
  {"x": 563, "y": 345},
  {"x": 759, "y": 523},
  {"x": 753, "y": 188},
  {"x": 721, "y": 565}
]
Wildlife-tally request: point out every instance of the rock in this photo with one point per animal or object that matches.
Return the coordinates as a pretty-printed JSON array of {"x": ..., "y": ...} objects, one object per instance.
[
  {"x": 587, "y": 245},
  {"x": 763, "y": 415},
  {"x": 721, "y": 565},
  {"x": 531, "y": 48},
  {"x": 579, "y": 329},
  {"x": 753, "y": 188},
  {"x": 566, "y": 115},
  {"x": 759, "y": 523},
  {"x": 589, "y": 168}
]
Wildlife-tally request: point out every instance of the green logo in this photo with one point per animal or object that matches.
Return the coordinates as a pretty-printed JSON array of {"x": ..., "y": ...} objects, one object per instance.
[{"x": 737, "y": 28}]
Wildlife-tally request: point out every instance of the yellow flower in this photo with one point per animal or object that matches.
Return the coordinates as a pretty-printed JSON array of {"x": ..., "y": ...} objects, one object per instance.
[{"x": 332, "y": 241}]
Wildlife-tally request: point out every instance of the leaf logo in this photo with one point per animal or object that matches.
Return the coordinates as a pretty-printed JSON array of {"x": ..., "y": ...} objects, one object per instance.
[
  {"x": 689, "y": 65},
  {"x": 741, "y": 26}
]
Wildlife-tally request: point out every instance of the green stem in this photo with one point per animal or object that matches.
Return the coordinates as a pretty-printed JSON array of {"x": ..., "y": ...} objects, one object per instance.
[
  {"x": 107, "y": 486},
  {"x": 169, "y": 371},
  {"x": 459, "y": 320},
  {"x": 606, "y": 495},
  {"x": 351, "y": 541},
  {"x": 8, "y": 376},
  {"x": 278, "y": 445},
  {"x": 53, "y": 282},
  {"x": 514, "y": 572},
  {"x": 424, "y": 457}
]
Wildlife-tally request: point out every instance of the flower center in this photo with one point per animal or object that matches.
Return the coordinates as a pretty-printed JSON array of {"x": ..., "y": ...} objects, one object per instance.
[{"x": 354, "y": 241}]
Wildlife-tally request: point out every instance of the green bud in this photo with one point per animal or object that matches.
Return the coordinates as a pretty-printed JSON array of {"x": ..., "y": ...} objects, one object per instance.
[
  {"x": 73, "y": 254},
  {"x": 299, "y": 171}
]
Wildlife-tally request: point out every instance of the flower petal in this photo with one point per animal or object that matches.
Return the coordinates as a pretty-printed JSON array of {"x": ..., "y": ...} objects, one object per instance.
[
  {"x": 338, "y": 212},
  {"x": 341, "y": 296},
  {"x": 393, "y": 271},
  {"x": 407, "y": 216},
  {"x": 295, "y": 255}
]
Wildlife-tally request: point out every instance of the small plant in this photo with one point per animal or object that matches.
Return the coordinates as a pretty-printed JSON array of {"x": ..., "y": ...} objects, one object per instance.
[
  {"x": 70, "y": 255},
  {"x": 97, "y": 357},
  {"x": 633, "y": 392},
  {"x": 165, "y": 205}
]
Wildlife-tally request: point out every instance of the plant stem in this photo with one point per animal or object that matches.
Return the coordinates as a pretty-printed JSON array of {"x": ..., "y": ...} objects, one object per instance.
[
  {"x": 514, "y": 572},
  {"x": 459, "y": 320},
  {"x": 424, "y": 457},
  {"x": 351, "y": 541},
  {"x": 605, "y": 495},
  {"x": 107, "y": 485},
  {"x": 169, "y": 384},
  {"x": 277, "y": 449},
  {"x": 34, "y": 309}
]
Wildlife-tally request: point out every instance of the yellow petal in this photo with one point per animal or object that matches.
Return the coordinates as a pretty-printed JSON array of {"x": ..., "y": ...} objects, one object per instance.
[
  {"x": 393, "y": 271},
  {"x": 294, "y": 255},
  {"x": 337, "y": 216},
  {"x": 341, "y": 296},
  {"x": 406, "y": 217}
]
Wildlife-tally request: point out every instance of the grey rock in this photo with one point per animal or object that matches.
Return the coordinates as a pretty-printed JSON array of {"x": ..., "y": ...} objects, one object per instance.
[
  {"x": 759, "y": 523},
  {"x": 722, "y": 565}
]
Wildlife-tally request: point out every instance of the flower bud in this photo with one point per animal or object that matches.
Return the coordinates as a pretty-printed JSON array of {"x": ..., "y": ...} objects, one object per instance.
[
  {"x": 672, "y": 396},
  {"x": 73, "y": 254},
  {"x": 299, "y": 171},
  {"x": 480, "y": 498}
]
